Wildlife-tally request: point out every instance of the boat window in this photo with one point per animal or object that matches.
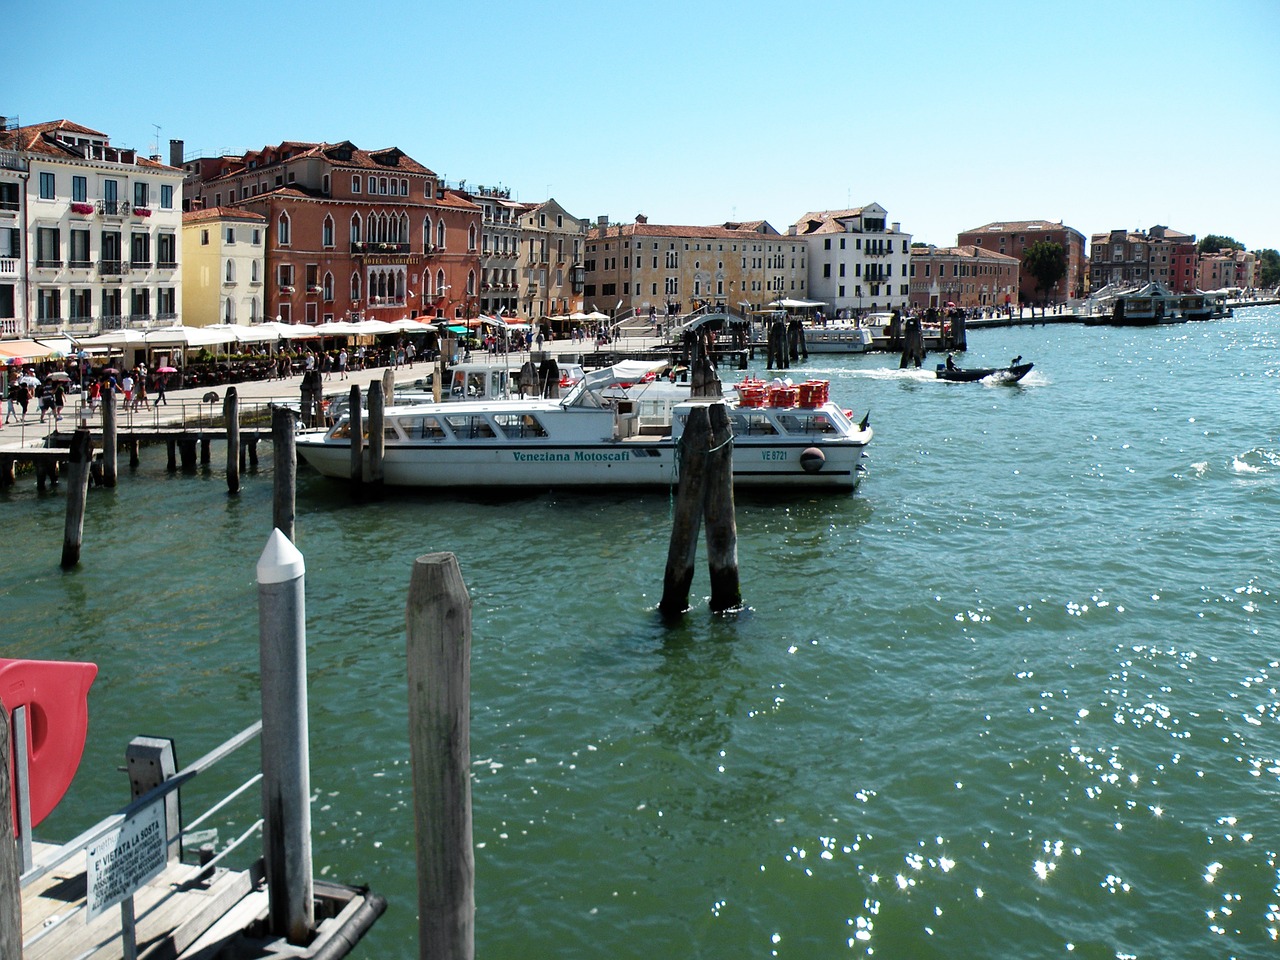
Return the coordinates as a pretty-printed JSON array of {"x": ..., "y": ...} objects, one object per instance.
[
  {"x": 747, "y": 424},
  {"x": 389, "y": 432},
  {"x": 470, "y": 427},
  {"x": 806, "y": 423},
  {"x": 341, "y": 431},
  {"x": 522, "y": 425},
  {"x": 422, "y": 428}
]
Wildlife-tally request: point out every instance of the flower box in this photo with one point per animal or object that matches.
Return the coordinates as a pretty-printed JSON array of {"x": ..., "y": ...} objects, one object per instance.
[
  {"x": 82, "y": 208},
  {"x": 142, "y": 211}
]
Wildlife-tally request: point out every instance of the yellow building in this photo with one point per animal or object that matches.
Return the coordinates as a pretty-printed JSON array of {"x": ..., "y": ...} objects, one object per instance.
[
  {"x": 223, "y": 266},
  {"x": 673, "y": 269}
]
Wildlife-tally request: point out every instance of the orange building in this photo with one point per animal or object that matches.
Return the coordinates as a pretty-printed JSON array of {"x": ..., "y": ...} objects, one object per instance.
[
  {"x": 351, "y": 233},
  {"x": 967, "y": 276}
]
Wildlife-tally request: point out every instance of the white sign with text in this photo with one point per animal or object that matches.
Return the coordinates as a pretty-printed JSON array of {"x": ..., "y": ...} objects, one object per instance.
[{"x": 126, "y": 858}]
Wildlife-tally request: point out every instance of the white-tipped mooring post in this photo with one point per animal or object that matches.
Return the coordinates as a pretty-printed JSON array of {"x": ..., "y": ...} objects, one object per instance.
[
  {"x": 439, "y": 673},
  {"x": 109, "y": 442},
  {"x": 286, "y": 775}
]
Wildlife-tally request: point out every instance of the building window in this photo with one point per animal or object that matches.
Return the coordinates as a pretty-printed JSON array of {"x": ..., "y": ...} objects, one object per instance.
[
  {"x": 257, "y": 237},
  {"x": 48, "y": 247},
  {"x": 166, "y": 197},
  {"x": 326, "y": 232},
  {"x": 355, "y": 228},
  {"x": 49, "y": 306},
  {"x": 139, "y": 194},
  {"x": 440, "y": 234},
  {"x": 355, "y": 288},
  {"x": 283, "y": 230},
  {"x": 204, "y": 238},
  {"x": 355, "y": 183},
  {"x": 79, "y": 254},
  {"x": 79, "y": 189},
  {"x": 231, "y": 234},
  {"x": 328, "y": 287},
  {"x": 324, "y": 184},
  {"x": 231, "y": 271},
  {"x": 46, "y": 187}
]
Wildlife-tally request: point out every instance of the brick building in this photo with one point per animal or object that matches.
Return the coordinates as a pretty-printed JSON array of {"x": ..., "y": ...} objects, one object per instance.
[
  {"x": 1131, "y": 258},
  {"x": 350, "y": 232},
  {"x": 967, "y": 276},
  {"x": 1012, "y": 237}
]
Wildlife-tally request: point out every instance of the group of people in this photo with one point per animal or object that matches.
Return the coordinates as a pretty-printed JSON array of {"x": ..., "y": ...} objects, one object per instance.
[{"x": 51, "y": 392}]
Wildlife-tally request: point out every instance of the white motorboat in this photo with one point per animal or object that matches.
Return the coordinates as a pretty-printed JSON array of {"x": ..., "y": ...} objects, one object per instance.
[{"x": 786, "y": 437}]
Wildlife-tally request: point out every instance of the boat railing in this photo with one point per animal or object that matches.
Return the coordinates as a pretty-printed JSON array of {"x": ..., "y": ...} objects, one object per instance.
[{"x": 167, "y": 792}]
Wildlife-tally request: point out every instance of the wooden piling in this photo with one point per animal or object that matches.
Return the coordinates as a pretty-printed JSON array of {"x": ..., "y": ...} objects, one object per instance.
[
  {"x": 683, "y": 548},
  {"x": 171, "y": 447},
  {"x": 109, "y": 441},
  {"x": 187, "y": 449},
  {"x": 355, "y": 428},
  {"x": 231, "y": 416},
  {"x": 285, "y": 454},
  {"x": 389, "y": 386},
  {"x": 8, "y": 471},
  {"x": 77, "y": 494},
  {"x": 251, "y": 449},
  {"x": 133, "y": 444},
  {"x": 718, "y": 511},
  {"x": 10, "y": 890},
  {"x": 439, "y": 675},
  {"x": 206, "y": 446},
  {"x": 377, "y": 437}
]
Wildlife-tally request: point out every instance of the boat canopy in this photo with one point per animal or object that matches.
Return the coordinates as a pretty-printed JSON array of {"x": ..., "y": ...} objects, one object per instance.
[{"x": 625, "y": 371}]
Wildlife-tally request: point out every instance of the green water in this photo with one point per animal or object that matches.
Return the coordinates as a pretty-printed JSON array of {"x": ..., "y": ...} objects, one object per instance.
[{"x": 1015, "y": 697}]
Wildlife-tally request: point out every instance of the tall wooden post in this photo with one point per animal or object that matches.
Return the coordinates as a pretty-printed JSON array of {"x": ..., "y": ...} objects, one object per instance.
[
  {"x": 377, "y": 435},
  {"x": 231, "y": 416},
  {"x": 389, "y": 386},
  {"x": 439, "y": 674},
  {"x": 718, "y": 510},
  {"x": 10, "y": 890},
  {"x": 355, "y": 429},
  {"x": 109, "y": 443},
  {"x": 285, "y": 454},
  {"x": 77, "y": 494},
  {"x": 286, "y": 773},
  {"x": 683, "y": 549}
]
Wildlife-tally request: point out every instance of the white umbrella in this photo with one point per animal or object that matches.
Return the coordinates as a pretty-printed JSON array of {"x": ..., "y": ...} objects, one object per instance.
[
  {"x": 285, "y": 331},
  {"x": 377, "y": 326},
  {"x": 242, "y": 333},
  {"x": 333, "y": 328},
  {"x": 187, "y": 336},
  {"x": 593, "y": 315},
  {"x": 114, "y": 338}
]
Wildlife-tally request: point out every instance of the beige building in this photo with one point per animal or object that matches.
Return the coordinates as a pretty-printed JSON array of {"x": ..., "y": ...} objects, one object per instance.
[
  {"x": 551, "y": 243},
  {"x": 968, "y": 276},
  {"x": 1226, "y": 268},
  {"x": 499, "y": 249},
  {"x": 224, "y": 266},
  {"x": 672, "y": 269}
]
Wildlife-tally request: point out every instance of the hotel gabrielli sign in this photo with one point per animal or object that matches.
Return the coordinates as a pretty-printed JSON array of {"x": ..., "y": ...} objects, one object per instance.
[
  {"x": 126, "y": 858},
  {"x": 393, "y": 260}
]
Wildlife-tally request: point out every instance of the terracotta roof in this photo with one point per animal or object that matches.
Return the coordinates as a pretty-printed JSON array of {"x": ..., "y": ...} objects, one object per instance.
[
  {"x": 1014, "y": 226},
  {"x": 42, "y": 138},
  {"x": 678, "y": 232},
  {"x": 221, "y": 213},
  {"x": 968, "y": 250},
  {"x": 452, "y": 198},
  {"x": 345, "y": 154}
]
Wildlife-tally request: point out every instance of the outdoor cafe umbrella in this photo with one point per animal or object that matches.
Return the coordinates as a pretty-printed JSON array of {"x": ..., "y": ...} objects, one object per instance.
[{"x": 166, "y": 370}]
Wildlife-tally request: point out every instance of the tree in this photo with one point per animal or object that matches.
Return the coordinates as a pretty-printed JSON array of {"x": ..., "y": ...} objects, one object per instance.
[
  {"x": 1268, "y": 268},
  {"x": 1047, "y": 262},
  {"x": 1213, "y": 243}
]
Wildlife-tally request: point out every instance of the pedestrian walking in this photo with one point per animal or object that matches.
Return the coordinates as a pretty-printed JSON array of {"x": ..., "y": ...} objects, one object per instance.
[{"x": 161, "y": 383}]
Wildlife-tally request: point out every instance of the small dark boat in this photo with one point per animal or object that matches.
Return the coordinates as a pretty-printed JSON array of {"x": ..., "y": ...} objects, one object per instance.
[{"x": 1010, "y": 374}]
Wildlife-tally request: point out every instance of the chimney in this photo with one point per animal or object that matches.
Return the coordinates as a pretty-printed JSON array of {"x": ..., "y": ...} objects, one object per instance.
[
  {"x": 641, "y": 218},
  {"x": 176, "y": 150},
  {"x": 897, "y": 228},
  {"x": 602, "y": 221}
]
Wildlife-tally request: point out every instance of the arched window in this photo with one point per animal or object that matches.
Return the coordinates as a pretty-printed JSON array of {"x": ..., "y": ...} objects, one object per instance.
[
  {"x": 426, "y": 235},
  {"x": 471, "y": 284},
  {"x": 440, "y": 290},
  {"x": 382, "y": 186},
  {"x": 355, "y": 287},
  {"x": 283, "y": 230},
  {"x": 254, "y": 314},
  {"x": 326, "y": 232},
  {"x": 404, "y": 229},
  {"x": 328, "y": 287},
  {"x": 471, "y": 237},
  {"x": 231, "y": 271},
  {"x": 253, "y": 271},
  {"x": 229, "y": 311},
  {"x": 440, "y": 234},
  {"x": 355, "y": 228},
  {"x": 400, "y": 286}
]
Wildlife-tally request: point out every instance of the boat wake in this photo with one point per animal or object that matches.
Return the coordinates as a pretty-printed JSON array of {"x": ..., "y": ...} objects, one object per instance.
[{"x": 1255, "y": 461}]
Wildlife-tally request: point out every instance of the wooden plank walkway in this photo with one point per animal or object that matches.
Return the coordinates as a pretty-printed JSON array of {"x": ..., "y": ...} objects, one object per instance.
[{"x": 189, "y": 912}]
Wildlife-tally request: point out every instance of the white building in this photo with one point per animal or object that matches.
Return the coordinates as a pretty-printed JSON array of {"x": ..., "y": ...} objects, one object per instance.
[
  {"x": 13, "y": 267},
  {"x": 858, "y": 263},
  {"x": 102, "y": 232}
]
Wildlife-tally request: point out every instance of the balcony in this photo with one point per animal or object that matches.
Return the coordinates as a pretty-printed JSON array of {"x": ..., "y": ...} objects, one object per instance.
[
  {"x": 166, "y": 264},
  {"x": 113, "y": 208},
  {"x": 49, "y": 264},
  {"x": 138, "y": 320},
  {"x": 49, "y": 321},
  {"x": 378, "y": 246},
  {"x": 80, "y": 264},
  {"x": 140, "y": 264},
  {"x": 111, "y": 268},
  {"x": 111, "y": 321},
  {"x": 167, "y": 317},
  {"x": 8, "y": 268}
]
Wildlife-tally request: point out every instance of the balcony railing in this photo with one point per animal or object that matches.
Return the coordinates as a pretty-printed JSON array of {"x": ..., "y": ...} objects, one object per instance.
[
  {"x": 111, "y": 268},
  {"x": 8, "y": 267},
  {"x": 80, "y": 264},
  {"x": 168, "y": 316},
  {"x": 113, "y": 208},
  {"x": 9, "y": 205},
  {"x": 48, "y": 264},
  {"x": 139, "y": 319},
  {"x": 378, "y": 246},
  {"x": 140, "y": 264},
  {"x": 166, "y": 264},
  {"x": 111, "y": 321}
]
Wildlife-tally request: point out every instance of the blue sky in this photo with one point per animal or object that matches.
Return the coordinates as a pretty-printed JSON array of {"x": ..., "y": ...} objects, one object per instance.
[{"x": 950, "y": 115}]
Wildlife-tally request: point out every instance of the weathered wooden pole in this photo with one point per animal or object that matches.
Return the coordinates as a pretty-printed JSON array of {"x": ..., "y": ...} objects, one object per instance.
[
  {"x": 206, "y": 445},
  {"x": 187, "y": 449},
  {"x": 377, "y": 438},
  {"x": 132, "y": 445},
  {"x": 355, "y": 430},
  {"x": 284, "y": 452},
  {"x": 286, "y": 774},
  {"x": 171, "y": 446},
  {"x": 10, "y": 890},
  {"x": 231, "y": 416},
  {"x": 109, "y": 442},
  {"x": 77, "y": 494},
  {"x": 389, "y": 386},
  {"x": 438, "y": 617},
  {"x": 718, "y": 511},
  {"x": 683, "y": 549}
]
